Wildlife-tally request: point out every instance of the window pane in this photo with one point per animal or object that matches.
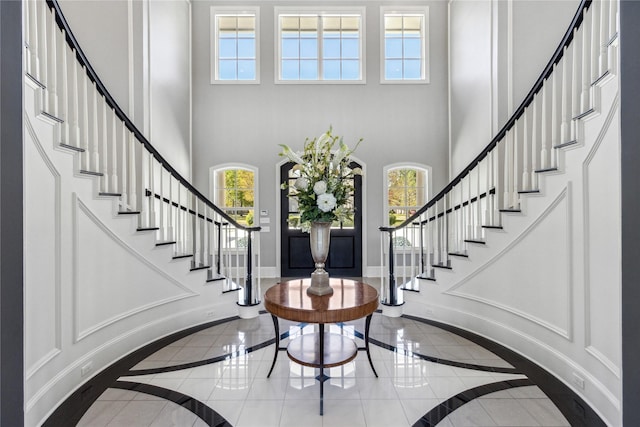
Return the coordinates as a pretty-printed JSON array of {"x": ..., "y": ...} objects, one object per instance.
[
  {"x": 309, "y": 69},
  {"x": 309, "y": 48},
  {"x": 393, "y": 48},
  {"x": 288, "y": 23},
  {"x": 350, "y": 48},
  {"x": 227, "y": 48},
  {"x": 290, "y": 70},
  {"x": 331, "y": 23},
  {"x": 309, "y": 23},
  {"x": 350, "y": 69},
  {"x": 350, "y": 24},
  {"x": 246, "y": 69},
  {"x": 392, "y": 69},
  {"x": 412, "y": 69},
  {"x": 331, "y": 48},
  {"x": 227, "y": 69},
  {"x": 412, "y": 22},
  {"x": 393, "y": 23},
  {"x": 331, "y": 69},
  {"x": 412, "y": 48},
  {"x": 290, "y": 48},
  {"x": 246, "y": 22},
  {"x": 246, "y": 48}
]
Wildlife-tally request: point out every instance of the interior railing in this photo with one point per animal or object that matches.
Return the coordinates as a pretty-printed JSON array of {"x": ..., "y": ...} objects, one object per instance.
[
  {"x": 526, "y": 146},
  {"x": 110, "y": 147}
]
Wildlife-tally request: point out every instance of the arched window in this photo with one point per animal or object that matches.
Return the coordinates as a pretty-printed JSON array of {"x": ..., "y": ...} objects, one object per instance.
[
  {"x": 234, "y": 190},
  {"x": 407, "y": 190}
]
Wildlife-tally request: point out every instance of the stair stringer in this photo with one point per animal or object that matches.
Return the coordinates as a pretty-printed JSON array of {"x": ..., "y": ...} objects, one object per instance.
[
  {"x": 548, "y": 284},
  {"x": 74, "y": 327}
]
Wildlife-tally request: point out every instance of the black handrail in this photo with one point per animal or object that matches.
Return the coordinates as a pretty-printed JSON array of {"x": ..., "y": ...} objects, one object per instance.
[
  {"x": 555, "y": 58},
  {"x": 73, "y": 42}
]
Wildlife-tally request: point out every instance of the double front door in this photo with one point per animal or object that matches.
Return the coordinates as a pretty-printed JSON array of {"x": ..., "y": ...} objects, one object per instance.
[{"x": 345, "y": 250}]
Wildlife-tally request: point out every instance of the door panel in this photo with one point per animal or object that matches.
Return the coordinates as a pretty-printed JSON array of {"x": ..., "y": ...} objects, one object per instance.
[{"x": 345, "y": 249}]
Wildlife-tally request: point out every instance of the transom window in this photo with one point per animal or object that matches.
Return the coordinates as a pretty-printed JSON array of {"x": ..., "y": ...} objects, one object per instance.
[
  {"x": 404, "y": 45},
  {"x": 320, "y": 46},
  {"x": 235, "y": 45}
]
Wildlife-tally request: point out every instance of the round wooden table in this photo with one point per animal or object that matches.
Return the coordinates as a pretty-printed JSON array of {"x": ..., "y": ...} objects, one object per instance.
[{"x": 350, "y": 300}]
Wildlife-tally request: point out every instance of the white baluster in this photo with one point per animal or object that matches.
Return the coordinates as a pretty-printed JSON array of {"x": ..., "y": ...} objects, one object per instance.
[
  {"x": 104, "y": 148},
  {"x": 34, "y": 41},
  {"x": 495, "y": 200},
  {"x": 613, "y": 20},
  {"x": 595, "y": 41},
  {"x": 85, "y": 121},
  {"x": 124, "y": 197},
  {"x": 565, "y": 94},
  {"x": 44, "y": 56},
  {"x": 525, "y": 153},
  {"x": 544, "y": 164},
  {"x": 586, "y": 70},
  {"x": 152, "y": 189},
  {"x": 515, "y": 197},
  {"x": 575, "y": 88},
  {"x": 95, "y": 148},
  {"x": 114, "y": 153},
  {"x": 64, "y": 136},
  {"x": 133, "y": 187},
  {"x": 196, "y": 234},
  {"x": 52, "y": 86},
  {"x": 74, "y": 132},
  {"x": 161, "y": 233},
  {"x": 554, "y": 118},
  {"x": 488, "y": 197},
  {"x": 476, "y": 231},
  {"x": 508, "y": 169},
  {"x": 26, "y": 10},
  {"x": 170, "y": 228},
  {"x": 534, "y": 141},
  {"x": 603, "y": 41}
]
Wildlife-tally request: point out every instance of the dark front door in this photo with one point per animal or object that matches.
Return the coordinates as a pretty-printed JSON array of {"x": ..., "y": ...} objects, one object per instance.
[{"x": 345, "y": 250}]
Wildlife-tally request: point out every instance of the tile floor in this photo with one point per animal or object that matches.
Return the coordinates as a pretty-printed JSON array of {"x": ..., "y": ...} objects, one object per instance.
[{"x": 427, "y": 376}]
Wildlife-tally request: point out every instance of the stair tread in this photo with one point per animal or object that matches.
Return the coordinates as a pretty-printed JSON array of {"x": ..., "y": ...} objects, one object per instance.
[
  {"x": 165, "y": 242},
  {"x": 510, "y": 210},
  {"x": 72, "y": 147},
  {"x": 448, "y": 267},
  {"x": 566, "y": 144},
  {"x": 107, "y": 194},
  {"x": 552, "y": 169},
  {"x": 199, "y": 267},
  {"x": 493, "y": 227},
  {"x": 128, "y": 212},
  {"x": 460, "y": 254},
  {"x": 148, "y": 228},
  {"x": 179, "y": 256},
  {"x": 482, "y": 242},
  {"x": 529, "y": 191},
  {"x": 87, "y": 172}
]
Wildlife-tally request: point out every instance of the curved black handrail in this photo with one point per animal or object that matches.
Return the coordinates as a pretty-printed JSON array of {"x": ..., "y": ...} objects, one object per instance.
[
  {"x": 73, "y": 42},
  {"x": 555, "y": 58}
]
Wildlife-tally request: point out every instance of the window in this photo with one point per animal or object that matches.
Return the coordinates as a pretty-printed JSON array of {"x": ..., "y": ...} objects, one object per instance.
[
  {"x": 234, "y": 191},
  {"x": 320, "y": 46},
  {"x": 234, "y": 45},
  {"x": 407, "y": 191},
  {"x": 404, "y": 45}
]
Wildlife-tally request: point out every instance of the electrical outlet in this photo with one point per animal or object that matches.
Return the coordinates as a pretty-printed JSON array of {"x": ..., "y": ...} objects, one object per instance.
[
  {"x": 210, "y": 313},
  {"x": 86, "y": 369},
  {"x": 428, "y": 312},
  {"x": 578, "y": 381}
]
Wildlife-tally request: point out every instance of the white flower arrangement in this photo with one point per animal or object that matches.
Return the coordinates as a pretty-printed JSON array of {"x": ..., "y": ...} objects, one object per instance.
[{"x": 325, "y": 184}]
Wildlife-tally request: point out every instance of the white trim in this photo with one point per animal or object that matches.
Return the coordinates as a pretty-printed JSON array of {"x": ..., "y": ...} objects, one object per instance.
[
  {"x": 78, "y": 335},
  {"x": 213, "y": 38},
  {"x": 426, "y": 64},
  {"x": 567, "y": 332},
  {"x": 57, "y": 349},
  {"x": 320, "y": 11},
  {"x": 190, "y": 174}
]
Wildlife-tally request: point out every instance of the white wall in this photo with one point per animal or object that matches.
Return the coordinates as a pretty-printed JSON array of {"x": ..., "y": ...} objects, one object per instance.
[
  {"x": 244, "y": 123},
  {"x": 497, "y": 52},
  {"x": 141, "y": 52}
]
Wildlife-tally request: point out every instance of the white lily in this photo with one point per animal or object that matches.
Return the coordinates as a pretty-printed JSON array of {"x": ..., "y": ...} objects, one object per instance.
[{"x": 290, "y": 154}]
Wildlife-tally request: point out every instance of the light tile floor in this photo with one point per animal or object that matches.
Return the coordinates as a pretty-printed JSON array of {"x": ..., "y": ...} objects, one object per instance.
[{"x": 420, "y": 366}]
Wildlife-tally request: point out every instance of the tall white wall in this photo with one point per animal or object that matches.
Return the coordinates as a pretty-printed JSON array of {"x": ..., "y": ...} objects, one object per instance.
[
  {"x": 245, "y": 123},
  {"x": 141, "y": 51},
  {"x": 497, "y": 51}
]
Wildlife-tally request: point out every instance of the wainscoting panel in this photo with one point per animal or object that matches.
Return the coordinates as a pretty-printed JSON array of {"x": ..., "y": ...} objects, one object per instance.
[
  {"x": 601, "y": 173},
  {"x": 42, "y": 265},
  {"x": 523, "y": 288},
  {"x": 112, "y": 280}
]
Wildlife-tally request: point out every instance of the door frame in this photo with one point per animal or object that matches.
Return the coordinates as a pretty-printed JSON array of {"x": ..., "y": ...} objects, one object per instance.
[{"x": 278, "y": 221}]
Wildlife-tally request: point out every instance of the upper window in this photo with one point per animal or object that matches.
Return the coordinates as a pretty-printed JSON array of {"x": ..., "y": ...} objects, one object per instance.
[
  {"x": 235, "y": 45},
  {"x": 320, "y": 46},
  {"x": 405, "y": 45}
]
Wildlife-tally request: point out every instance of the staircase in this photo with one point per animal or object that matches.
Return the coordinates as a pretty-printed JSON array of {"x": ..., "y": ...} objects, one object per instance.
[
  {"x": 523, "y": 245},
  {"x": 120, "y": 248}
]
